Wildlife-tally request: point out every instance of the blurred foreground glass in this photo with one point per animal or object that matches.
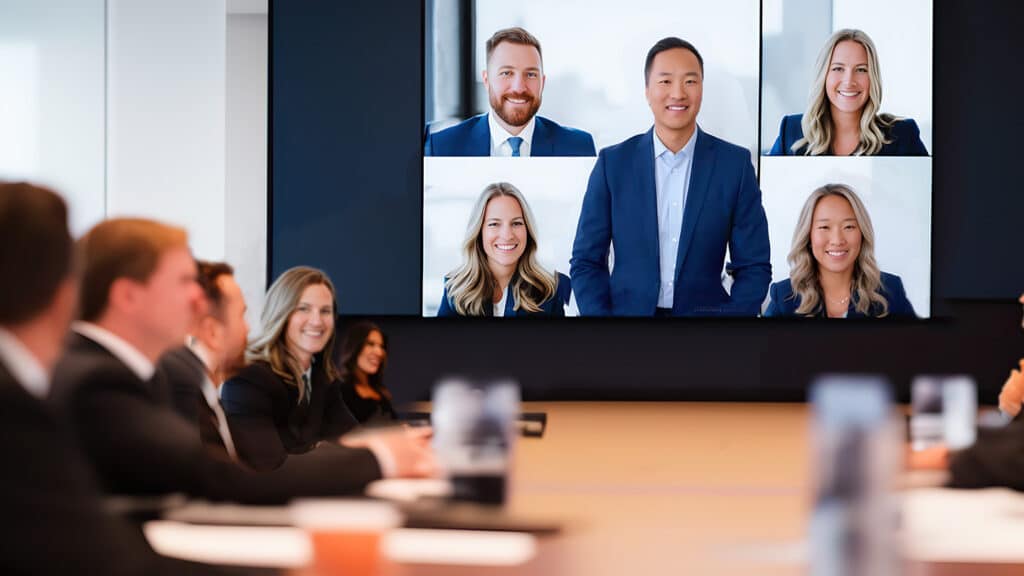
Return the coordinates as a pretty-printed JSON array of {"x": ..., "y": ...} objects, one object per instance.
[
  {"x": 943, "y": 411},
  {"x": 856, "y": 448},
  {"x": 346, "y": 534},
  {"x": 474, "y": 435}
]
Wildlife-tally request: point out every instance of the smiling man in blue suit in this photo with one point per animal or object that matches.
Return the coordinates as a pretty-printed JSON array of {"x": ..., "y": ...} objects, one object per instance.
[
  {"x": 666, "y": 204},
  {"x": 515, "y": 82}
]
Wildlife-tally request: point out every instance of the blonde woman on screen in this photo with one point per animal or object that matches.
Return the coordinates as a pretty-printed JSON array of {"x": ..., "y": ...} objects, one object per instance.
[
  {"x": 500, "y": 275},
  {"x": 832, "y": 268},
  {"x": 843, "y": 115}
]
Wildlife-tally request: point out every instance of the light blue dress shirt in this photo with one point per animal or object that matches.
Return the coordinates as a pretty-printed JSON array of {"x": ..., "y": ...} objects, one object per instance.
[{"x": 672, "y": 181}]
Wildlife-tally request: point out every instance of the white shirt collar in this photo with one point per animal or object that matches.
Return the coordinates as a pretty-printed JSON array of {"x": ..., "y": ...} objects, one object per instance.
[
  {"x": 660, "y": 148},
  {"x": 202, "y": 352},
  {"x": 119, "y": 347},
  {"x": 23, "y": 365},
  {"x": 499, "y": 135}
]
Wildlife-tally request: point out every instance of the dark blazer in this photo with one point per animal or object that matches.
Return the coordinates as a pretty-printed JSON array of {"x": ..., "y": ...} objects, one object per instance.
[
  {"x": 905, "y": 136},
  {"x": 554, "y": 306},
  {"x": 472, "y": 137},
  {"x": 723, "y": 208},
  {"x": 53, "y": 514},
  {"x": 784, "y": 302},
  {"x": 138, "y": 444},
  {"x": 995, "y": 459},
  {"x": 182, "y": 373},
  {"x": 368, "y": 410},
  {"x": 267, "y": 421}
]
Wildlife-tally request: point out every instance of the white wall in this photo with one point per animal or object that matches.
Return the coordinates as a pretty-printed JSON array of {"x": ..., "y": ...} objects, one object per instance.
[
  {"x": 52, "y": 58},
  {"x": 166, "y": 116},
  {"x": 246, "y": 147}
]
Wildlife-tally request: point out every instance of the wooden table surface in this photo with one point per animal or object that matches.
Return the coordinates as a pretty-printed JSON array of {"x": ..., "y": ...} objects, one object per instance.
[{"x": 669, "y": 488}]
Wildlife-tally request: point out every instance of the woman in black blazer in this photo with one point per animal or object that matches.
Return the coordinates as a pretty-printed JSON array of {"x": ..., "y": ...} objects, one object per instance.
[
  {"x": 364, "y": 354},
  {"x": 289, "y": 398}
]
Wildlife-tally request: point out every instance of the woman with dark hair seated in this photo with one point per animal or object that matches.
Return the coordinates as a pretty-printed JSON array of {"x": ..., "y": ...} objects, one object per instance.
[
  {"x": 832, "y": 268},
  {"x": 364, "y": 353},
  {"x": 843, "y": 115}
]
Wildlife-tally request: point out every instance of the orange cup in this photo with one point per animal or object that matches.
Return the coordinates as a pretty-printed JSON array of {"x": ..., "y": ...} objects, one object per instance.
[{"x": 346, "y": 534}]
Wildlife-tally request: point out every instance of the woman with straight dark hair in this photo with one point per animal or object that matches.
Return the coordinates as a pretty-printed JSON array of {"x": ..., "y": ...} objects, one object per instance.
[{"x": 364, "y": 354}]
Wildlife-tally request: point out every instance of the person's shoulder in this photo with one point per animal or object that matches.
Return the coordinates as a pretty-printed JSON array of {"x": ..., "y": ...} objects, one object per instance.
[
  {"x": 257, "y": 373},
  {"x": 722, "y": 147},
  {"x": 782, "y": 289},
  {"x": 564, "y": 131},
  {"x": 892, "y": 283},
  {"x": 458, "y": 130},
  {"x": 626, "y": 147},
  {"x": 87, "y": 363},
  {"x": 905, "y": 127},
  {"x": 564, "y": 287},
  {"x": 790, "y": 121}
]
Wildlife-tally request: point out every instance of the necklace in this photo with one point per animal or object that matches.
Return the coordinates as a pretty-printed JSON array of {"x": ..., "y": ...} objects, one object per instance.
[{"x": 841, "y": 302}]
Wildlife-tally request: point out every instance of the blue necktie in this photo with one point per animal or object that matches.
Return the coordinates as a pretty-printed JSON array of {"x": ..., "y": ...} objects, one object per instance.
[{"x": 515, "y": 142}]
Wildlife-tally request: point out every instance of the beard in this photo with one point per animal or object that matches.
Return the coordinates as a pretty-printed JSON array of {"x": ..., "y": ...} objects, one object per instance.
[{"x": 514, "y": 115}]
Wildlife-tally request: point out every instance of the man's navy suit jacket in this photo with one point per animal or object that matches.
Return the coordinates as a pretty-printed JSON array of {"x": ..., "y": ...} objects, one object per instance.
[
  {"x": 472, "y": 137},
  {"x": 722, "y": 209}
]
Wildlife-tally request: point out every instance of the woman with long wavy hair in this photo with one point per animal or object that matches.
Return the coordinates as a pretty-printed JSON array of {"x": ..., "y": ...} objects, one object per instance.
[
  {"x": 832, "y": 268},
  {"x": 500, "y": 274},
  {"x": 843, "y": 116}
]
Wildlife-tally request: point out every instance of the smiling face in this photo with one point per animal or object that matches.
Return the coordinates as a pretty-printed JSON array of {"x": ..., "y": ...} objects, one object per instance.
[
  {"x": 848, "y": 81},
  {"x": 373, "y": 354},
  {"x": 311, "y": 324},
  {"x": 504, "y": 234},
  {"x": 835, "y": 235},
  {"x": 674, "y": 92},
  {"x": 515, "y": 81}
]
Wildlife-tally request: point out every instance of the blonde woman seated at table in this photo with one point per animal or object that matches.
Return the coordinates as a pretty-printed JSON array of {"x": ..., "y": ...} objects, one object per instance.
[
  {"x": 288, "y": 398},
  {"x": 500, "y": 275},
  {"x": 842, "y": 117},
  {"x": 832, "y": 268}
]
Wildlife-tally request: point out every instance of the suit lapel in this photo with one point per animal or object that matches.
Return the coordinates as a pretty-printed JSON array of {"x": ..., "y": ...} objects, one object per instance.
[
  {"x": 702, "y": 166},
  {"x": 480, "y": 138},
  {"x": 541, "y": 144},
  {"x": 643, "y": 167}
]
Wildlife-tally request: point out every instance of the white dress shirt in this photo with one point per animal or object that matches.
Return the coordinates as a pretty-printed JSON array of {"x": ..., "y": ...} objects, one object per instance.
[
  {"x": 119, "y": 347},
  {"x": 500, "y": 136},
  {"x": 499, "y": 306},
  {"x": 672, "y": 182},
  {"x": 23, "y": 365},
  {"x": 212, "y": 397}
]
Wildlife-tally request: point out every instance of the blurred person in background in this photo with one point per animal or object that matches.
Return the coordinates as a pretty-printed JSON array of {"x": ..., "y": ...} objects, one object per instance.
[
  {"x": 288, "y": 399},
  {"x": 364, "y": 354}
]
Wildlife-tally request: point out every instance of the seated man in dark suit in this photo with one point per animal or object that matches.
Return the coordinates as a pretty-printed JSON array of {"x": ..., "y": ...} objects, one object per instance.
[
  {"x": 138, "y": 292},
  {"x": 54, "y": 521},
  {"x": 667, "y": 204},
  {"x": 515, "y": 82}
]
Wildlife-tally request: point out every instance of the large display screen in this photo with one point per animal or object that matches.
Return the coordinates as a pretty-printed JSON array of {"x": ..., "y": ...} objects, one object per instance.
[{"x": 678, "y": 158}]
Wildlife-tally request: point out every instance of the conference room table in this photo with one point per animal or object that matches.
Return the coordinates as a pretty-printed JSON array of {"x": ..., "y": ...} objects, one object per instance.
[{"x": 669, "y": 488}]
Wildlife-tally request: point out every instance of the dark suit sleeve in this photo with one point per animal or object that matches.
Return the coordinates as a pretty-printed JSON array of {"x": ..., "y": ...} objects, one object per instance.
[
  {"x": 910, "y": 139},
  {"x": 338, "y": 419},
  {"x": 589, "y": 264},
  {"x": 749, "y": 251},
  {"x": 445, "y": 309},
  {"x": 996, "y": 459},
  {"x": 249, "y": 406},
  {"x": 777, "y": 147},
  {"x": 899, "y": 304},
  {"x": 773, "y": 303},
  {"x": 54, "y": 517}
]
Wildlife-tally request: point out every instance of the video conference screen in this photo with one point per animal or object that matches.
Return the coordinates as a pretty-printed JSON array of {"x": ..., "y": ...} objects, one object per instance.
[{"x": 678, "y": 158}]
